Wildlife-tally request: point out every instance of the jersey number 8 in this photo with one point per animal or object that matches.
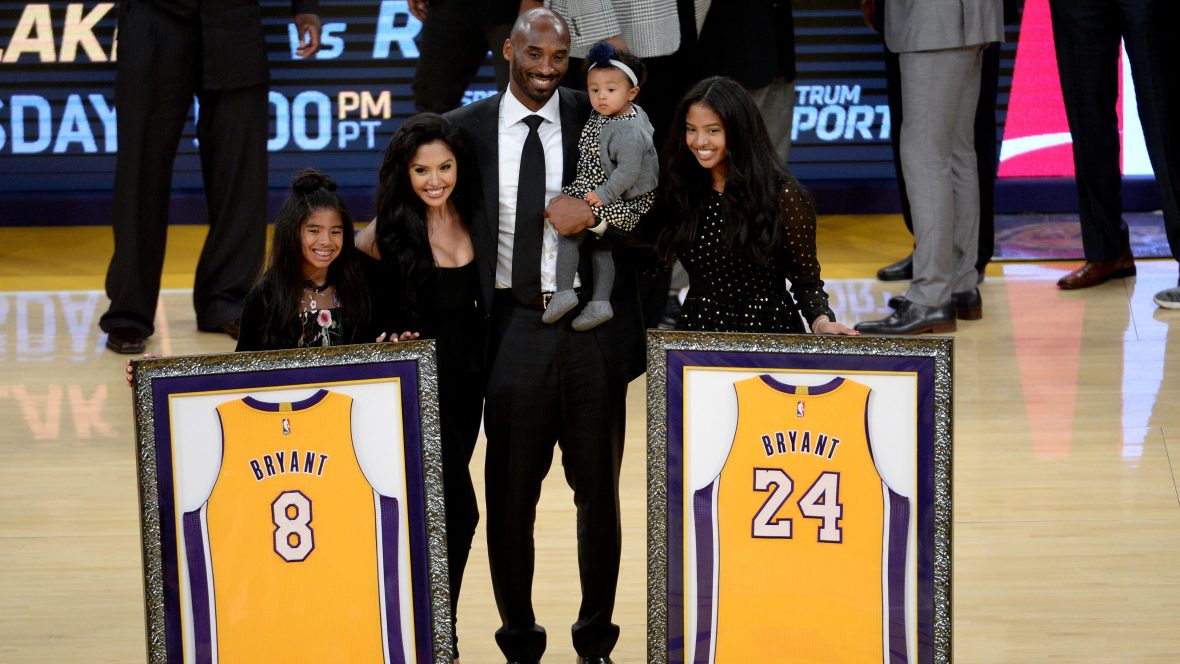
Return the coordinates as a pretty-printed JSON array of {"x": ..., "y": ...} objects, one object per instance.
[{"x": 294, "y": 539}]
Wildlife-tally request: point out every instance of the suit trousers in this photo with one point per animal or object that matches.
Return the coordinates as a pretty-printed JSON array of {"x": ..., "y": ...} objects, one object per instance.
[
  {"x": 452, "y": 45},
  {"x": 776, "y": 104},
  {"x": 157, "y": 75},
  {"x": 460, "y": 404},
  {"x": 986, "y": 153},
  {"x": 939, "y": 92},
  {"x": 549, "y": 385},
  {"x": 1087, "y": 35}
]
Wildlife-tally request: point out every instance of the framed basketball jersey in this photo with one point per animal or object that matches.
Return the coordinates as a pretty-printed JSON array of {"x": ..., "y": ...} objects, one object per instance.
[
  {"x": 293, "y": 506},
  {"x": 798, "y": 501}
]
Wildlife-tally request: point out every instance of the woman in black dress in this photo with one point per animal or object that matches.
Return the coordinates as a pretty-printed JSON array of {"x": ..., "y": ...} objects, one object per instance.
[
  {"x": 421, "y": 239},
  {"x": 738, "y": 221}
]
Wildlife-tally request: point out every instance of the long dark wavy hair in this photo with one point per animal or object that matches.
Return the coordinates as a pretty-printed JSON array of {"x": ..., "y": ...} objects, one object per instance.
[
  {"x": 283, "y": 282},
  {"x": 403, "y": 238},
  {"x": 758, "y": 186}
]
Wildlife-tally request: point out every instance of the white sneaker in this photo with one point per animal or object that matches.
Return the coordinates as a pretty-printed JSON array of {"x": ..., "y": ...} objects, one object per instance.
[{"x": 1169, "y": 298}]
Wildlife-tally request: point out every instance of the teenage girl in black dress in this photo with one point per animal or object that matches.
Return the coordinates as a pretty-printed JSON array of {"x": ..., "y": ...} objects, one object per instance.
[{"x": 738, "y": 221}]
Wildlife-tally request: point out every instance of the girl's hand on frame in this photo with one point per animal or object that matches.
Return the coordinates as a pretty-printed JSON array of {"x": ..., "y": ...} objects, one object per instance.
[
  {"x": 394, "y": 338},
  {"x": 130, "y": 375},
  {"x": 822, "y": 325}
]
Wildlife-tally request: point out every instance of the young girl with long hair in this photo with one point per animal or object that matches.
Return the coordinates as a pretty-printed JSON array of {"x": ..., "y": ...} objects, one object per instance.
[
  {"x": 313, "y": 292},
  {"x": 738, "y": 221}
]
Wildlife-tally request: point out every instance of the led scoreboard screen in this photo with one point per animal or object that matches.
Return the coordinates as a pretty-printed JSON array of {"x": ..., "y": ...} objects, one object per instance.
[{"x": 337, "y": 110}]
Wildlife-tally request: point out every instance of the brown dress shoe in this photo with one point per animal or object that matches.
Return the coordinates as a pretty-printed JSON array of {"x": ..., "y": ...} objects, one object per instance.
[{"x": 1097, "y": 272}]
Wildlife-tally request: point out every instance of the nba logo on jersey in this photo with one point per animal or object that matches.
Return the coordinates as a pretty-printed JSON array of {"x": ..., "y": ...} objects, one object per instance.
[
  {"x": 799, "y": 409},
  {"x": 286, "y": 427}
]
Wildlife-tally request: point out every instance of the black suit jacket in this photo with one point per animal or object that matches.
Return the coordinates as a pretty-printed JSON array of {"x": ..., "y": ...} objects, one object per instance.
[
  {"x": 233, "y": 46},
  {"x": 622, "y": 338}
]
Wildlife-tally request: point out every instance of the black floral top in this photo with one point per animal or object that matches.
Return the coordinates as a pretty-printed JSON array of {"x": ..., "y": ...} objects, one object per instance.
[{"x": 324, "y": 327}]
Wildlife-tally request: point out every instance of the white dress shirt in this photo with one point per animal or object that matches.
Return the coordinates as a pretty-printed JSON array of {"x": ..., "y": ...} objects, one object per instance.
[{"x": 512, "y": 132}]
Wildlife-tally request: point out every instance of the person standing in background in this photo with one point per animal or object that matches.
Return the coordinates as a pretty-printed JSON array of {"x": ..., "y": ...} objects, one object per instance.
[
  {"x": 1087, "y": 35},
  {"x": 753, "y": 42},
  {"x": 453, "y": 44},
  {"x": 169, "y": 51},
  {"x": 940, "y": 47},
  {"x": 985, "y": 140}
]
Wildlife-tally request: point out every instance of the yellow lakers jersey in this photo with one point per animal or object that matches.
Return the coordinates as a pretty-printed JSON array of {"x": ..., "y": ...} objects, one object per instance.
[
  {"x": 292, "y": 538},
  {"x": 803, "y": 520}
]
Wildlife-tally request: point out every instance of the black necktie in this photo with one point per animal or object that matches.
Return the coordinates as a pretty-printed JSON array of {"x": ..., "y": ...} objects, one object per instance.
[{"x": 530, "y": 212}]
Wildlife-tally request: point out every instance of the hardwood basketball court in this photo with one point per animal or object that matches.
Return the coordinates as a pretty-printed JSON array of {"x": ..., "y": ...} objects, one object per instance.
[{"x": 1066, "y": 463}]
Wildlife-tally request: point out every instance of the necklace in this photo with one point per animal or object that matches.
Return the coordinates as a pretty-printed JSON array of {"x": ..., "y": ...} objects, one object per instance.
[{"x": 312, "y": 291}]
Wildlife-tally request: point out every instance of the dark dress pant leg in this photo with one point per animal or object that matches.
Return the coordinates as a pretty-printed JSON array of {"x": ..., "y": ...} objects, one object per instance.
[
  {"x": 1150, "y": 34},
  {"x": 548, "y": 385},
  {"x": 232, "y": 132},
  {"x": 452, "y": 46},
  {"x": 1086, "y": 34},
  {"x": 986, "y": 152},
  {"x": 155, "y": 77},
  {"x": 460, "y": 405}
]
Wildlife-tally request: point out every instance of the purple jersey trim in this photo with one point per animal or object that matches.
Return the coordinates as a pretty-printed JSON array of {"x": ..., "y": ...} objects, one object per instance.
[
  {"x": 198, "y": 583},
  {"x": 812, "y": 390},
  {"x": 295, "y": 405},
  {"x": 899, "y": 530},
  {"x": 389, "y": 557},
  {"x": 702, "y": 509}
]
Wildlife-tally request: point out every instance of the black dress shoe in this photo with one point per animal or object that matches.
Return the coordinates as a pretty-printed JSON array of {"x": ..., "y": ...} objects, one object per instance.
[
  {"x": 127, "y": 340},
  {"x": 912, "y": 318},
  {"x": 233, "y": 328},
  {"x": 595, "y": 660},
  {"x": 968, "y": 304},
  {"x": 1097, "y": 272},
  {"x": 899, "y": 271}
]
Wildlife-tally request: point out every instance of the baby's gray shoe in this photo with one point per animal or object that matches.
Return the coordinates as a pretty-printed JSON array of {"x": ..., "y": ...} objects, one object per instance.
[
  {"x": 560, "y": 304},
  {"x": 596, "y": 313}
]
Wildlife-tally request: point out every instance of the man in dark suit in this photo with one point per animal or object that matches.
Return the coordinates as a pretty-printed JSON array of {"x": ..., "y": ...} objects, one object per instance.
[
  {"x": 169, "y": 51},
  {"x": 547, "y": 384},
  {"x": 1086, "y": 34}
]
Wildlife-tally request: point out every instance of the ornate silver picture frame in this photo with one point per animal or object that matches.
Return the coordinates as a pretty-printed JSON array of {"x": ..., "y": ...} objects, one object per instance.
[
  {"x": 754, "y": 498},
  {"x": 291, "y": 501}
]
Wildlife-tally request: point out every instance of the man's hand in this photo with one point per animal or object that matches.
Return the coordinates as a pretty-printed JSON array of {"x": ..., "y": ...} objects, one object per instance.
[
  {"x": 418, "y": 8},
  {"x": 569, "y": 215},
  {"x": 308, "y": 27}
]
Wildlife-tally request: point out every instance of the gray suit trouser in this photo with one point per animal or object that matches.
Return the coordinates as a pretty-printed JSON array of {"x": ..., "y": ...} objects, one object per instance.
[{"x": 939, "y": 92}]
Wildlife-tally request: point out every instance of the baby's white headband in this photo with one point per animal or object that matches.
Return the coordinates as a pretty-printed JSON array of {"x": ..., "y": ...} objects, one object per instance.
[{"x": 623, "y": 68}]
